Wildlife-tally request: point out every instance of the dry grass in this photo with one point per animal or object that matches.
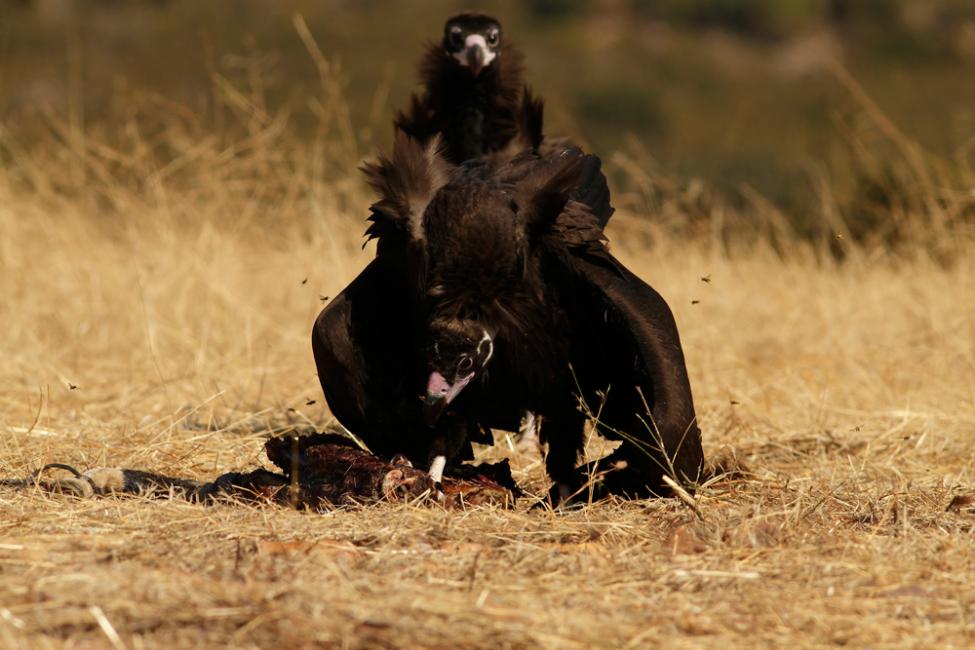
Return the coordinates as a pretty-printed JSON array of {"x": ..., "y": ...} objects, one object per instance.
[{"x": 158, "y": 316}]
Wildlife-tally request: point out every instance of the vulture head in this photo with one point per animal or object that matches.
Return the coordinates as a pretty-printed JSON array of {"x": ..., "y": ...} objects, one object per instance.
[
  {"x": 473, "y": 40},
  {"x": 458, "y": 350},
  {"x": 472, "y": 233}
]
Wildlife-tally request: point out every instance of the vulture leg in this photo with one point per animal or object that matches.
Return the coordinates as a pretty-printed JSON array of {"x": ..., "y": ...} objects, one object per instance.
[
  {"x": 450, "y": 442},
  {"x": 436, "y": 475},
  {"x": 437, "y": 467},
  {"x": 563, "y": 432},
  {"x": 528, "y": 430}
]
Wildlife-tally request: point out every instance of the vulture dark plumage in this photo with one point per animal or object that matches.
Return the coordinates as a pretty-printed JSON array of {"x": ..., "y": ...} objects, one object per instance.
[
  {"x": 493, "y": 293},
  {"x": 474, "y": 95}
]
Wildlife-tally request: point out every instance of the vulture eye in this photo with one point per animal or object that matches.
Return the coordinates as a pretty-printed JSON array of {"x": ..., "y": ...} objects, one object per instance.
[
  {"x": 456, "y": 36},
  {"x": 492, "y": 37},
  {"x": 465, "y": 364}
]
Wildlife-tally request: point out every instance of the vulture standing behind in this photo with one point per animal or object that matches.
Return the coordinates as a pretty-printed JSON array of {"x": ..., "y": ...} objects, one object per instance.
[
  {"x": 507, "y": 300},
  {"x": 474, "y": 96},
  {"x": 475, "y": 100}
]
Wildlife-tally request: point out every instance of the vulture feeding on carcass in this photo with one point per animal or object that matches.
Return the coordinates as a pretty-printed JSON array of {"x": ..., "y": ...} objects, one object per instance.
[
  {"x": 506, "y": 300},
  {"x": 474, "y": 95}
]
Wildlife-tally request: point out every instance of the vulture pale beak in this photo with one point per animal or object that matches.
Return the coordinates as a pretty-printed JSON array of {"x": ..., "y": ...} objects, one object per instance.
[
  {"x": 440, "y": 393},
  {"x": 475, "y": 54},
  {"x": 475, "y": 58}
]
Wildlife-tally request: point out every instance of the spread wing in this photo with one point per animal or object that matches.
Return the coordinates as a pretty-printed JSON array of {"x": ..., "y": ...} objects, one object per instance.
[
  {"x": 624, "y": 335},
  {"x": 637, "y": 333}
]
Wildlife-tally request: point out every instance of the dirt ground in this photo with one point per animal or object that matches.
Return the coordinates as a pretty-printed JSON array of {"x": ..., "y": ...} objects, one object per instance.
[{"x": 173, "y": 336}]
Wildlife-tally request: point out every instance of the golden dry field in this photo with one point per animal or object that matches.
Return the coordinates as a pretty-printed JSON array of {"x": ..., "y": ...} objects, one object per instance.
[{"x": 157, "y": 316}]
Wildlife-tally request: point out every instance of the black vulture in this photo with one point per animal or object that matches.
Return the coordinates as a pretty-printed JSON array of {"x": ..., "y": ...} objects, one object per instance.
[
  {"x": 474, "y": 95},
  {"x": 476, "y": 102},
  {"x": 493, "y": 293}
]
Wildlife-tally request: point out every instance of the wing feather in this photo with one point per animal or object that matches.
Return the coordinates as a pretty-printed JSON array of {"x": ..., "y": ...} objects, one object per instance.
[
  {"x": 406, "y": 182},
  {"x": 627, "y": 333}
]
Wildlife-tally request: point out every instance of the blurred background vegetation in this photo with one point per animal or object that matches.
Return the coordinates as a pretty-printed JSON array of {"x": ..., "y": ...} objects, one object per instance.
[{"x": 833, "y": 114}]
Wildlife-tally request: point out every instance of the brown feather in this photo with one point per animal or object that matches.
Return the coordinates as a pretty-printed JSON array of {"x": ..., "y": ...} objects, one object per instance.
[{"x": 405, "y": 183}]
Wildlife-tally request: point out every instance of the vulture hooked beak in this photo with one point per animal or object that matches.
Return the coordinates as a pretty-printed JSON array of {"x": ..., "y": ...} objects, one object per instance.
[
  {"x": 475, "y": 58},
  {"x": 475, "y": 54},
  {"x": 440, "y": 393}
]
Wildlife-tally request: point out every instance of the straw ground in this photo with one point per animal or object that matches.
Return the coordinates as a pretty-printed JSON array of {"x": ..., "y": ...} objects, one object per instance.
[{"x": 157, "y": 316}]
